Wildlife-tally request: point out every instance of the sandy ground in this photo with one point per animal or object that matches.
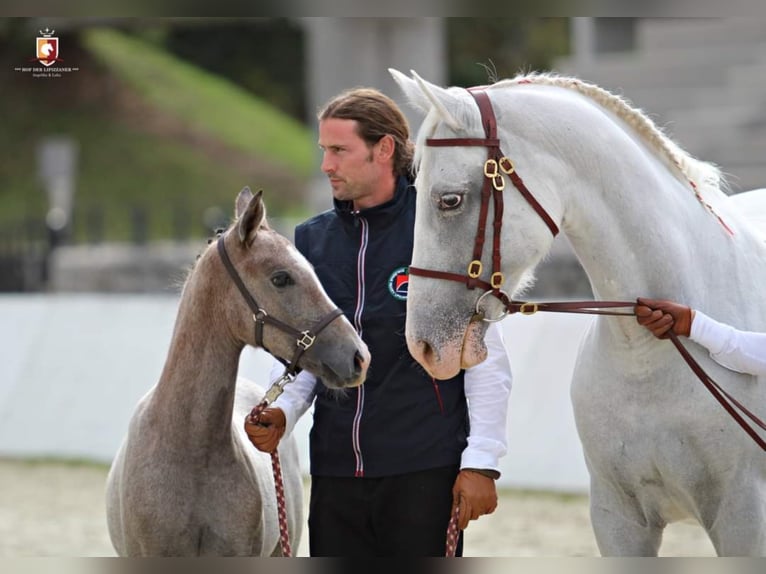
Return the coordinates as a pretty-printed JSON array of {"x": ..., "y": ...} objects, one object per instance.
[{"x": 57, "y": 510}]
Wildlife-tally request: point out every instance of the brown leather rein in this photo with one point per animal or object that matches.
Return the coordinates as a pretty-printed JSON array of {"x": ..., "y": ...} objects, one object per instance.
[{"x": 496, "y": 165}]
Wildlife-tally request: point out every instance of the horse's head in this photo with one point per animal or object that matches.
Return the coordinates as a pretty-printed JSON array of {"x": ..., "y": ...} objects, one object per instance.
[
  {"x": 444, "y": 332},
  {"x": 290, "y": 301}
]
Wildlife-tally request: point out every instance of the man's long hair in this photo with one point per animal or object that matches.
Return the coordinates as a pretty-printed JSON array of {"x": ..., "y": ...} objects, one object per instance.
[{"x": 376, "y": 115}]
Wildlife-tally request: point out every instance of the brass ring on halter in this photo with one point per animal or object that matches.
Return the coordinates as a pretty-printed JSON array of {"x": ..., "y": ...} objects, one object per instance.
[
  {"x": 506, "y": 165},
  {"x": 490, "y": 168},
  {"x": 481, "y": 313},
  {"x": 474, "y": 269},
  {"x": 496, "y": 280}
]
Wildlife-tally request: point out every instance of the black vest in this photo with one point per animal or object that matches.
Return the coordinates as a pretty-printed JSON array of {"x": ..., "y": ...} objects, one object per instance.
[{"x": 400, "y": 420}]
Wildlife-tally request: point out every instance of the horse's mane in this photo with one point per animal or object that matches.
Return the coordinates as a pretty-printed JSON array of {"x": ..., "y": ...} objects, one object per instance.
[
  {"x": 704, "y": 178},
  {"x": 699, "y": 173}
]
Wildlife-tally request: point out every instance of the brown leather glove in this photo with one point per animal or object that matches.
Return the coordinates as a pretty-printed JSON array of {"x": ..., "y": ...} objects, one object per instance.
[
  {"x": 661, "y": 315},
  {"x": 475, "y": 494},
  {"x": 265, "y": 433}
]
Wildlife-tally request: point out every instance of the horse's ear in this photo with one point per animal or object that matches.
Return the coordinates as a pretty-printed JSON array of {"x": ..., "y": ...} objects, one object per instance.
[
  {"x": 411, "y": 91},
  {"x": 250, "y": 216},
  {"x": 440, "y": 99},
  {"x": 424, "y": 96},
  {"x": 243, "y": 199}
]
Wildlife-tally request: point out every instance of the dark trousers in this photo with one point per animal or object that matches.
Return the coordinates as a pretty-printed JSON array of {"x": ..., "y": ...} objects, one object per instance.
[{"x": 401, "y": 515}]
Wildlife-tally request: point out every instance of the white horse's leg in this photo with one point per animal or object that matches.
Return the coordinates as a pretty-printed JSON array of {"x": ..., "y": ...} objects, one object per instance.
[
  {"x": 619, "y": 528},
  {"x": 739, "y": 526}
]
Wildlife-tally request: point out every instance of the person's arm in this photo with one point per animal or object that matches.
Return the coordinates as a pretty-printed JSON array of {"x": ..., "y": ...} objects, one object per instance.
[
  {"x": 741, "y": 351},
  {"x": 487, "y": 388},
  {"x": 297, "y": 396}
]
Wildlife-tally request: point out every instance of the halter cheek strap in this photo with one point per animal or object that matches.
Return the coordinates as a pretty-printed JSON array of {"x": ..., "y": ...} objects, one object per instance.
[
  {"x": 303, "y": 339},
  {"x": 495, "y": 166}
]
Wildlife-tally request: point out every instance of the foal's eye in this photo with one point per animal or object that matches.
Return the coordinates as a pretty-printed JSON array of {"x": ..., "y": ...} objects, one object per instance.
[
  {"x": 450, "y": 201},
  {"x": 282, "y": 279}
]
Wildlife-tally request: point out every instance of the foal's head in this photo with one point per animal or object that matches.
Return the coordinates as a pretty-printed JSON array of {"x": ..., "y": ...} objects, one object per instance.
[{"x": 283, "y": 286}]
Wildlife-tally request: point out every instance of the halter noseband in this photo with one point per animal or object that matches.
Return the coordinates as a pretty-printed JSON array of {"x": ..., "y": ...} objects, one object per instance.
[
  {"x": 303, "y": 339},
  {"x": 495, "y": 166}
]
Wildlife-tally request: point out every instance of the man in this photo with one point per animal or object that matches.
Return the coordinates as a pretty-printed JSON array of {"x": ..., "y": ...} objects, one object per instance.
[
  {"x": 741, "y": 351},
  {"x": 392, "y": 458}
]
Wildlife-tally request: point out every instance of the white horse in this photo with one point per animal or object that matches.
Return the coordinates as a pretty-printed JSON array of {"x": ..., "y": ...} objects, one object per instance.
[
  {"x": 186, "y": 481},
  {"x": 644, "y": 219}
]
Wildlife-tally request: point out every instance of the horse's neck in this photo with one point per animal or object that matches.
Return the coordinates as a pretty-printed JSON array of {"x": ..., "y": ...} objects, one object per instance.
[
  {"x": 194, "y": 398},
  {"x": 645, "y": 236}
]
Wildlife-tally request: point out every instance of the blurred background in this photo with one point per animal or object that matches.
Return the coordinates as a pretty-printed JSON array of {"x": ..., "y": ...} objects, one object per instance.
[{"x": 120, "y": 160}]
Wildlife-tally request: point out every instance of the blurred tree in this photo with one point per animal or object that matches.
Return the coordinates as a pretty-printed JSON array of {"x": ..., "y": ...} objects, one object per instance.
[
  {"x": 263, "y": 55},
  {"x": 481, "y": 50}
]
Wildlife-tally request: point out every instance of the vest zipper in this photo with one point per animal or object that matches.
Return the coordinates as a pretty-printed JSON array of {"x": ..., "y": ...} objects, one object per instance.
[{"x": 360, "y": 298}]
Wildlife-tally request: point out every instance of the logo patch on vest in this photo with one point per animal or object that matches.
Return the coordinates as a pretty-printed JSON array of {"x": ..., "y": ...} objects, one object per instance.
[{"x": 398, "y": 282}]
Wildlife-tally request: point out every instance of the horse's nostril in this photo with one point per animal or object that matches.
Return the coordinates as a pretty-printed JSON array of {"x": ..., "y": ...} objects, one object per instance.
[
  {"x": 358, "y": 363},
  {"x": 426, "y": 349}
]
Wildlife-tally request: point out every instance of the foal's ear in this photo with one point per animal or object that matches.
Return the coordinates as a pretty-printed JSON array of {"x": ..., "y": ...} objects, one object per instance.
[{"x": 251, "y": 214}]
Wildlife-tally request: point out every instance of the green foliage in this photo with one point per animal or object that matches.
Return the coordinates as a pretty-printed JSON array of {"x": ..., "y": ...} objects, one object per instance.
[
  {"x": 153, "y": 134},
  {"x": 206, "y": 101}
]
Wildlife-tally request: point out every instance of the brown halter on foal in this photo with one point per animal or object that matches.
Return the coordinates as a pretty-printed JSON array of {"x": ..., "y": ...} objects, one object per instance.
[{"x": 303, "y": 340}]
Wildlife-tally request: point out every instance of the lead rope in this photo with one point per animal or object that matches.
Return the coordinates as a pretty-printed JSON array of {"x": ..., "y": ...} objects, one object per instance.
[
  {"x": 284, "y": 536},
  {"x": 453, "y": 532}
]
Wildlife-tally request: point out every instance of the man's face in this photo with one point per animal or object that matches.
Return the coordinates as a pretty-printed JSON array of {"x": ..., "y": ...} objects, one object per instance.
[{"x": 347, "y": 160}]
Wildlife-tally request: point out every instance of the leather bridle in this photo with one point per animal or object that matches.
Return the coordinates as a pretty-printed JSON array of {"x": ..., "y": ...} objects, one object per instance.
[
  {"x": 495, "y": 166},
  {"x": 493, "y": 185}
]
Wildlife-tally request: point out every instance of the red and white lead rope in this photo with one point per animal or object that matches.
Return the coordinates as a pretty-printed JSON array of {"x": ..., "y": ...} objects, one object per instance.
[
  {"x": 453, "y": 533},
  {"x": 284, "y": 536}
]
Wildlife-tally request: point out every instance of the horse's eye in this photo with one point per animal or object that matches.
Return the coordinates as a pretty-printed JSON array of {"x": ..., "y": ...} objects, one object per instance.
[
  {"x": 282, "y": 279},
  {"x": 450, "y": 201}
]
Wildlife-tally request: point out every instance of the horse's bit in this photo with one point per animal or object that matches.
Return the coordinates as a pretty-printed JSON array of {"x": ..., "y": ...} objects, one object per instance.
[
  {"x": 303, "y": 340},
  {"x": 495, "y": 165}
]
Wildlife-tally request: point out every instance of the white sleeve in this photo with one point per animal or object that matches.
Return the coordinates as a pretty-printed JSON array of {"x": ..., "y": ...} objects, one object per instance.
[
  {"x": 487, "y": 388},
  {"x": 297, "y": 395},
  {"x": 741, "y": 351}
]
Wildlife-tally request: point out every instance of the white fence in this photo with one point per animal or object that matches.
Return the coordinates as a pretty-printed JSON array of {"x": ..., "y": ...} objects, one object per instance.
[{"x": 72, "y": 368}]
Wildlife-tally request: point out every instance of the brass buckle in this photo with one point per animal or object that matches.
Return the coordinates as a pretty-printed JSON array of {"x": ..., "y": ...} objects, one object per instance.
[
  {"x": 490, "y": 168},
  {"x": 496, "y": 280},
  {"x": 474, "y": 269},
  {"x": 532, "y": 306},
  {"x": 506, "y": 165}
]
